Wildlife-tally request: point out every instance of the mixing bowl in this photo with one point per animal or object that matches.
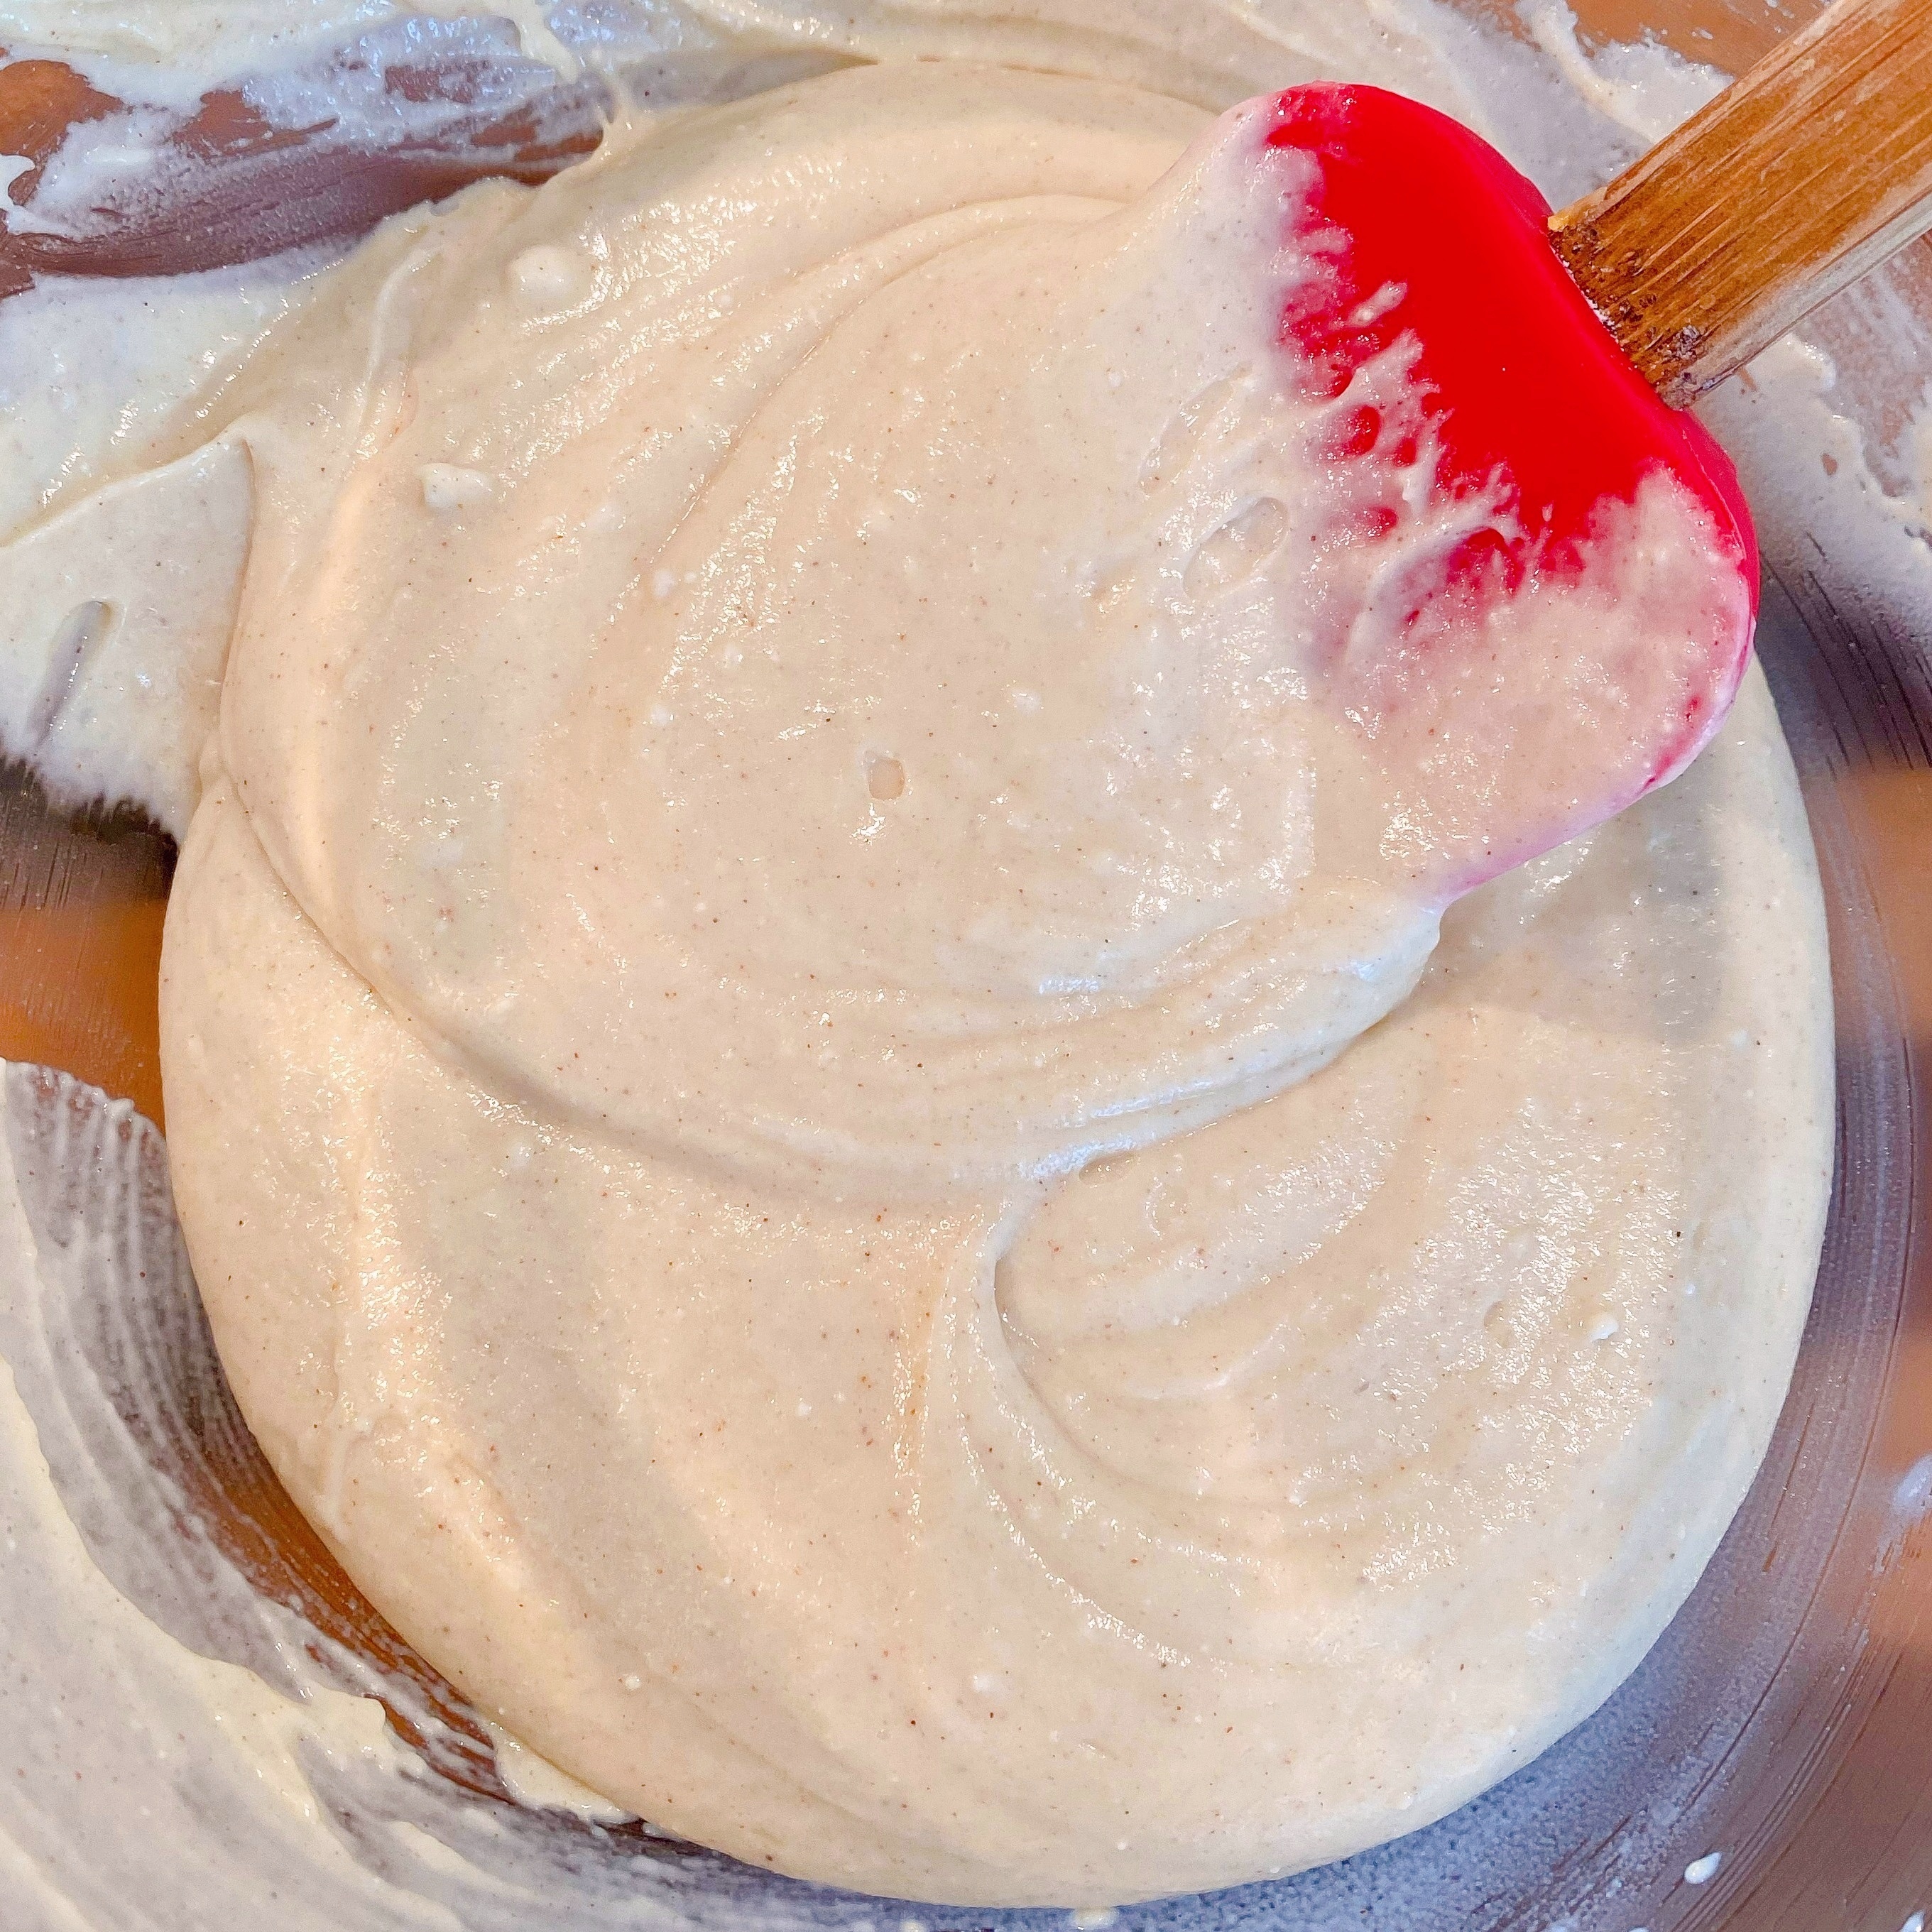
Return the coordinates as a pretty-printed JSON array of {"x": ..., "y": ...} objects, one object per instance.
[{"x": 1769, "y": 1766}]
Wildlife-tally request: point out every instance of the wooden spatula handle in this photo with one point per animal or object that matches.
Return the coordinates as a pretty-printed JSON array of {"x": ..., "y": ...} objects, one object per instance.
[{"x": 1809, "y": 170}]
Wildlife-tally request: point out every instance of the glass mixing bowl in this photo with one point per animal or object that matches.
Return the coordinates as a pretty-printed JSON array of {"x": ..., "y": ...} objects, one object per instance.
[{"x": 1769, "y": 1766}]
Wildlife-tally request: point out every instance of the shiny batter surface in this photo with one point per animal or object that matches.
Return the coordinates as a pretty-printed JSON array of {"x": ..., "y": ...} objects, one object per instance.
[{"x": 1147, "y": 1441}]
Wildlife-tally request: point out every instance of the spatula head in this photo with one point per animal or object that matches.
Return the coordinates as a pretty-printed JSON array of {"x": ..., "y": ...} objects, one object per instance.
[{"x": 1580, "y": 490}]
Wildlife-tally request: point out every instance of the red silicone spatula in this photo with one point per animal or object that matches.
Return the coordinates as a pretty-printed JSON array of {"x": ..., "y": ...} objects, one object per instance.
[{"x": 1556, "y": 351}]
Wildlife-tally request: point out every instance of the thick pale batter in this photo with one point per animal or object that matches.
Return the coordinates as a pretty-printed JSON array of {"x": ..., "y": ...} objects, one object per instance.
[{"x": 1093, "y": 1459}]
